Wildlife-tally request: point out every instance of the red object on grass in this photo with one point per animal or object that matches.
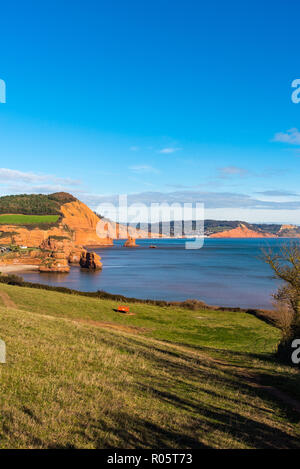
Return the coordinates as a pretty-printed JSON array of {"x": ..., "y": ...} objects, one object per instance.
[{"x": 123, "y": 309}]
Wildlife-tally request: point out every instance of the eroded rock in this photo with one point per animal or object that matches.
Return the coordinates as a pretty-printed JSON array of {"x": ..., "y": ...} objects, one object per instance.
[
  {"x": 90, "y": 260},
  {"x": 55, "y": 262},
  {"x": 130, "y": 243}
]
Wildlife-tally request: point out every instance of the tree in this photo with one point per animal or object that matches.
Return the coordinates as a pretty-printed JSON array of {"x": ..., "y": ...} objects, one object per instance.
[{"x": 286, "y": 266}]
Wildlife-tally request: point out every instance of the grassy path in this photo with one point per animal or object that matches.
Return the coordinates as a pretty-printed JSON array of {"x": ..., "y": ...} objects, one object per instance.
[{"x": 7, "y": 301}]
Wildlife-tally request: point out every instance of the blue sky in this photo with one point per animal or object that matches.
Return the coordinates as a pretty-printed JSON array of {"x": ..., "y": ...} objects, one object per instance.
[{"x": 164, "y": 100}]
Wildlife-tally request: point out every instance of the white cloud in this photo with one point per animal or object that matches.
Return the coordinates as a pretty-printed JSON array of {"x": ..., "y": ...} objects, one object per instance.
[
  {"x": 7, "y": 174},
  {"x": 278, "y": 193},
  {"x": 169, "y": 150},
  {"x": 230, "y": 171},
  {"x": 14, "y": 175},
  {"x": 211, "y": 200},
  {"x": 143, "y": 168},
  {"x": 13, "y": 181},
  {"x": 291, "y": 136},
  {"x": 134, "y": 148}
]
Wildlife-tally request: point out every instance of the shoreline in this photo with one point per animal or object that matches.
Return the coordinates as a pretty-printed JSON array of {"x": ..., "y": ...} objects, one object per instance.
[
  {"x": 12, "y": 268},
  {"x": 104, "y": 295}
]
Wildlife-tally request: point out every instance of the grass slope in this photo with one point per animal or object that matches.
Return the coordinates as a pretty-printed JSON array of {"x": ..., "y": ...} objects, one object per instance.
[
  {"x": 80, "y": 375},
  {"x": 17, "y": 219}
]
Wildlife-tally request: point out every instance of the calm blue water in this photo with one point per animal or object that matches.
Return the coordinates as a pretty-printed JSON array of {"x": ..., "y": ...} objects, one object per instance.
[{"x": 226, "y": 272}]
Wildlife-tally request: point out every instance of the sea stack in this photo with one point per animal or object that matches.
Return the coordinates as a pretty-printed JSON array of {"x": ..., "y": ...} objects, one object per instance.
[
  {"x": 55, "y": 262},
  {"x": 91, "y": 261},
  {"x": 130, "y": 243}
]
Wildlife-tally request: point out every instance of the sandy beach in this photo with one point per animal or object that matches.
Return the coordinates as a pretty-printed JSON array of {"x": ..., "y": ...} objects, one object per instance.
[{"x": 8, "y": 269}]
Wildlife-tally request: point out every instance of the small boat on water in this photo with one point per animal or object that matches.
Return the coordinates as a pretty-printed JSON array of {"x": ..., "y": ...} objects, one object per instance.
[{"x": 152, "y": 246}]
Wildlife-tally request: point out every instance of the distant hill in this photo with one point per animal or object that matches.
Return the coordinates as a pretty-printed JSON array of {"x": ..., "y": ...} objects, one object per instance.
[
  {"x": 32, "y": 218},
  {"x": 242, "y": 231},
  {"x": 263, "y": 230},
  {"x": 213, "y": 227}
]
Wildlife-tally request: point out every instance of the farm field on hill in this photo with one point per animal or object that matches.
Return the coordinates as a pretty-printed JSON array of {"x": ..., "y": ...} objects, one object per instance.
[{"x": 15, "y": 219}]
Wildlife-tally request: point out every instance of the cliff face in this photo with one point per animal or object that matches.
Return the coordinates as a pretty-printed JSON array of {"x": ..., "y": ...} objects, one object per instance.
[
  {"x": 88, "y": 229},
  {"x": 82, "y": 223},
  {"x": 31, "y": 237},
  {"x": 242, "y": 232},
  {"x": 118, "y": 231},
  {"x": 289, "y": 231},
  {"x": 77, "y": 224},
  {"x": 57, "y": 245},
  {"x": 22, "y": 258}
]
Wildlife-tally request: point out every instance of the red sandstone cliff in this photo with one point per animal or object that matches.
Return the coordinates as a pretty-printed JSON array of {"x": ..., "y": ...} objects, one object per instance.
[
  {"x": 242, "y": 232},
  {"x": 77, "y": 223}
]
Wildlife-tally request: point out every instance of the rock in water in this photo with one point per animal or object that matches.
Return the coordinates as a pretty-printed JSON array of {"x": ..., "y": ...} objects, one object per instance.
[
  {"x": 91, "y": 261},
  {"x": 55, "y": 262},
  {"x": 130, "y": 243},
  {"x": 75, "y": 256}
]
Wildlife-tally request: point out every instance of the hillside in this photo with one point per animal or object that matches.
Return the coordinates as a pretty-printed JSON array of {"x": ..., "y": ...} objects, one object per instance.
[
  {"x": 32, "y": 219},
  {"x": 34, "y": 204},
  {"x": 289, "y": 231},
  {"x": 190, "y": 228},
  {"x": 241, "y": 231},
  {"x": 74, "y": 220},
  {"x": 80, "y": 375}
]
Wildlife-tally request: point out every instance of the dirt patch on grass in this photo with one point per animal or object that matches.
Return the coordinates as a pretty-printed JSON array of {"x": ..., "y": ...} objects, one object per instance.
[
  {"x": 254, "y": 381},
  {"x": 8, "y": 302},
  {"x": 111, "y": 325}
]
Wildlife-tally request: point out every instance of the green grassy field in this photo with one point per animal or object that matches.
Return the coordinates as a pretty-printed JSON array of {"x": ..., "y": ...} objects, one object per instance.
[
  {"x": 27, "y": 219},
  {"x": 81, "y": 375}
]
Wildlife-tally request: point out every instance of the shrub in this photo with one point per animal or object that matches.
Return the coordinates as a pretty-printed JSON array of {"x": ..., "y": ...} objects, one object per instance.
[{"x": 286, "y": 266}]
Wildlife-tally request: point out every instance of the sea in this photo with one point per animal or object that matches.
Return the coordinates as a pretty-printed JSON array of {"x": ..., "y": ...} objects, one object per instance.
[{"x": 224, "y": 272}]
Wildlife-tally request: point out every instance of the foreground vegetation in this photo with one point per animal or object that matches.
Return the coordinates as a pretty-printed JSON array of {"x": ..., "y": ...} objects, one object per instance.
[
  {"x": 286, "y": 267},
  {"x": 81, "y": 375}
]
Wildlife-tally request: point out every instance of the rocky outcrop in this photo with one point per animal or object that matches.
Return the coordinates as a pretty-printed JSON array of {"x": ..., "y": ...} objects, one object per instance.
[
  {"x": 55, "y": 262},
  {"x": 53, "y": 255},
  {"x": 91, "y": 261},
  {"x": 58, "y": 243},
  {"x": 22, "y": 258},
  {"x": 31, "y": 237},
  {"x": 289, "y": 231},
  {"x": 130, "y": 243},
  {"x": 242, "y": 231},
  {"x": 71, "y": 251},
  {"x": 75, "y": 256},
  {"x": 119, "y": 231}
]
